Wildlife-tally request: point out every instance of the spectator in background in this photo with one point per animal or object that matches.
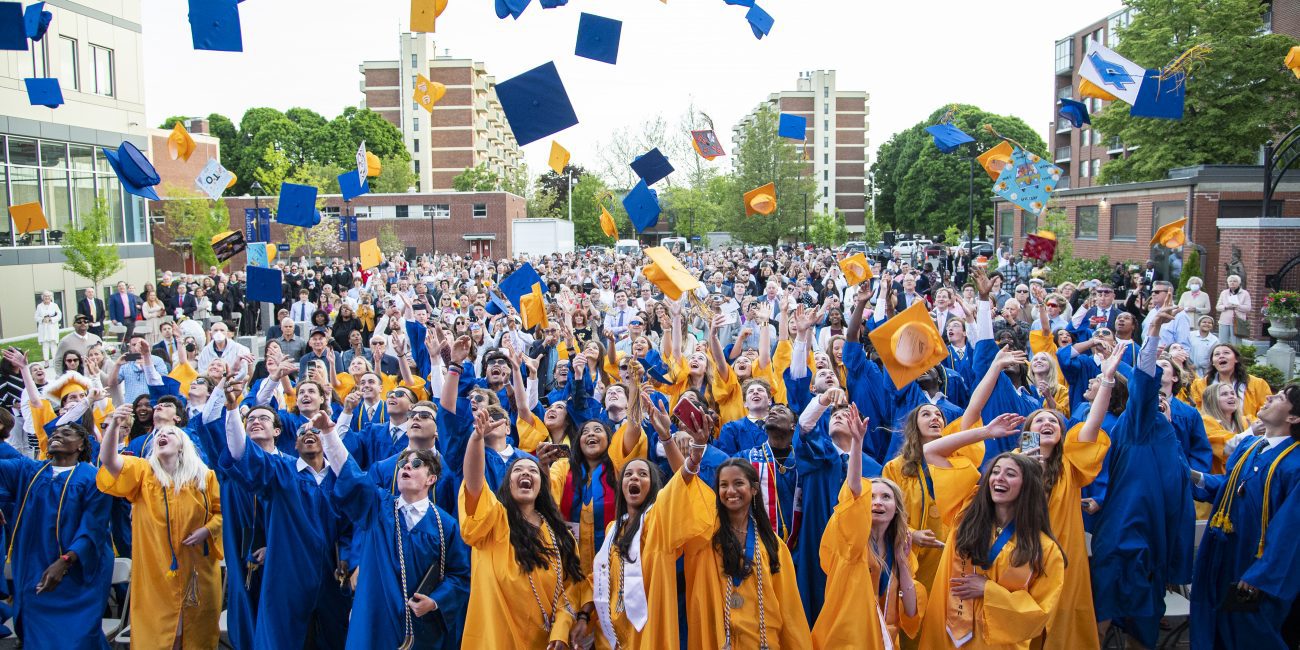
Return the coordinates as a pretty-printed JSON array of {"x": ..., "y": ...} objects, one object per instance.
[
  {"x": 79, "y": 340},
  {"x": 1194, "y": 301},
  {"x": 223, "y": 347},
  {"x": 290, "y": 344},
  {"x": 1233, "y": 306},
  {"x": 124, "y": 309},
  {"x": 94, "y": 311},
  {"x": 1203, "y": 341},
  {"x": 49, "y": 319},
  {"x": 302, "y": 310},
  {"x": 183, "y": 304}
]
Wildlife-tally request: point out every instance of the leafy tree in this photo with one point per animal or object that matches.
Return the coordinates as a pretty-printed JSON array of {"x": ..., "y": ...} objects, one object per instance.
[
  {"x": 558, "y": 184},
  {"x": 951, "y": 236},
  {"x": 382, "y": 138},
  {"x": 220, "y": 127},
  {"x": 320, "y": 239},
  {"x": 170, "y": 122},
  {"x": 516, "y": 181},
  {"x": 88, "y": 249},
  {"x": 476, "y": 179},
  {"x": 395, "y": 177},
  {"x": 871, "y": 233},
  {"x": 1235, "y": 100},
  {"x": 389, "y": 243},
  {"x": 692, "y": 210},
  {"x": 764, "y": 157},
  {"x": 1192, "y": 267},
  {"x": 827, "y": 230},
  {"x": 189, "y": 218},
  {"x": 274, "y": 170},
  {"x": 586, "y": 212},
  {"x": 920, "y": 189}
]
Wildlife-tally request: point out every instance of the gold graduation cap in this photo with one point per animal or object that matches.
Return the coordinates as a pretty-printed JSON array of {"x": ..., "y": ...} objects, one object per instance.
[
  {"x": 607, "y": 224},
  {"x": 668, "y": 274},
  {"x": 233, "y": 179},
  {"x": 856, "y": 269},
  {"x": 427, "y": 93},
  {"x": 909, "y": 344},
  {"x": 424, "y": 14},
  {"x": 760, "y": 200},
  {"x": 179, "y": 143},
  {"x": 374, "y": 166},
  {"x": 559, "y": 158},
  {"x": 1293, "y": 60},
  {"x": 370, "y": 255},
  {"x": 1089, "y": 89},
  {"x": 28, "y": 217},
  {"x": 996, "y": 158},
  {"x": 1171, "y": 235},
  {"x": 66, "y": 384},
  {"x": 532, "y": 308}
]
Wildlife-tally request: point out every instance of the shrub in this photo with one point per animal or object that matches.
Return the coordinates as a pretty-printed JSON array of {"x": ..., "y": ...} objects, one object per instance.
[{"x": 1272, "y": 375}]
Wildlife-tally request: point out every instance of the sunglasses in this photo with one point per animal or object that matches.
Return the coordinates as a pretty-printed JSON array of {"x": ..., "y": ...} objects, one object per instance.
[
  {"x": 478, "y": 399},
  {"x": 415, "y": 462},
  {"x": 423, "y": 415},
  {"x": 400, "y": 392},
  {"x": 499, "y": 361},
  {"x": 1104, "y": 291},
  {"x": 1104, "y": 332}
]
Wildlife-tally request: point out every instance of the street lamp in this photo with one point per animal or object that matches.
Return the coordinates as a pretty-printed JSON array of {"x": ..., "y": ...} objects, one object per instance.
[{"x": 568, "y": 175}]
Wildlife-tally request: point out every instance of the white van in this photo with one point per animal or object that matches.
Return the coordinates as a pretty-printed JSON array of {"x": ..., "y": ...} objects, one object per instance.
[
  {"x": 628, "y": 247},
  {"x": 676, "y": 245}
]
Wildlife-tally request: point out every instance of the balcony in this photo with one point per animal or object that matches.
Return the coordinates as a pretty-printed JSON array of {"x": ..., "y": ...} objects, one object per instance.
[
  {"x": 1114, "y": 146},
  {"x": 1062, "y": 154},
  {"x": 1064, "y": 183},
  {"x": 1063, "y": 126}
]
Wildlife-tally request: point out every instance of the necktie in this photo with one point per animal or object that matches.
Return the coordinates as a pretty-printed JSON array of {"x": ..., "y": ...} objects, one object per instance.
[{"x": 620, "y": 318}]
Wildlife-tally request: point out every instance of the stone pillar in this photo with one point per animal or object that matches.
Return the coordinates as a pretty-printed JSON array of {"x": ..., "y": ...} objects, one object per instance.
[{"x": 1265, "y": 244}]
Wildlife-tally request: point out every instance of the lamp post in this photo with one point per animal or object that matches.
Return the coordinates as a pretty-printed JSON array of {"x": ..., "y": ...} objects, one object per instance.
[
  {"x": 267, "y": 314},
  {"x": 568, "y": 175}
]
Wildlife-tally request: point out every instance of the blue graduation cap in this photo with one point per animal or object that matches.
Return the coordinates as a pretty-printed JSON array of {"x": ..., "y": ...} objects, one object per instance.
[
  {"x": 598, "y": 38},
  {"x": 134, "y": 170},
  {"x": 264, "y": 285},
  {"x": 652, "y": 166},
  {"x": 512, "y": 8},
  {"x": 36, "y": 21},
  {"x": 551, "y": 4},
  {"x": 948, "y": 137},
  {"x": 43, "y": 91},
  {"x": 351, "y": 186},
  {"x": 759, "y": 21},
  {"x": 642, "y": 205},
  {"x": 1073, "y": 111},
  {"x": 740, "y": 3},
  {"x": 297, "y": 206},
  {"x": 536, "y": 104},
  {"x": 791, "y": 126},
  {"x": 520, "y": 283},
  {"x": 1160, "y": 98},
  {"x": 13, "y": 29},
  {"x": 214, "y": 25}
]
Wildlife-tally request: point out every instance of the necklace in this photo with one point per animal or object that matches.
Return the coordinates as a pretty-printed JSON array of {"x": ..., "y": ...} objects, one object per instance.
[{"x": 553, "y": 558}]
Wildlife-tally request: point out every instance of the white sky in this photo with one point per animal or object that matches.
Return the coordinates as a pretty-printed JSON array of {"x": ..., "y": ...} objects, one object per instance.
[{"x": 911, "y": 56}]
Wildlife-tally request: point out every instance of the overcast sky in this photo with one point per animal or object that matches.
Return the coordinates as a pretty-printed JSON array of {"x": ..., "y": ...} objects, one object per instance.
[{"x": 911, "y": 56}]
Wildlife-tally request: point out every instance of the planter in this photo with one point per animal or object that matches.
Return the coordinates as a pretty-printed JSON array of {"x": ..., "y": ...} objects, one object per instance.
[{"x": 1283, "y": 328}]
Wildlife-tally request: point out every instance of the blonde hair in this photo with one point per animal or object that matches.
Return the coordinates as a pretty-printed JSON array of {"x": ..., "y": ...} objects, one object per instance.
[
  {"x": 189, "y": 467},
  {"x": 1233, "y": 421},
  {"x": 1053, "y": 375}
]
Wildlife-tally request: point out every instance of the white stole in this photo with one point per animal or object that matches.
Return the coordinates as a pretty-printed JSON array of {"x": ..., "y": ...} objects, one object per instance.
[{"x": 635, "y": 606}]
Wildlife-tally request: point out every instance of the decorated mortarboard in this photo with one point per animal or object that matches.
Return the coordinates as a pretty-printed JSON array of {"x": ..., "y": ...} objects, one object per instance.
[
  {"x": 532, "y": 308},
  {"x": 228, "y": 244},
  {"x": 1292, "y": 60},
  {"x": 374, "y": 166},
  {"x": 512, "y": 8},
  {"x": 370, "y": 254},
  {"x": 351, "y": 186},
  {"x": 909, "y": 344},
  {"x": 856, "y": 269},
  {"x": 792, "y": 126},
  {"x": 519, "y": 283},
  {"x": 1075, "y": 112},
  {"x": 424, "y": 14},
  {"x": 996, "y": 158},
  {"x": 260, "y": 254},
  {"x": 213, "y": 179},
  {"x": 652, "y": 166},
  {"x": 1111, "y": 72},
  {"x": 558, "y": 159},
  {"x": 264, "y": 284},
  {"x": 36, "y": 21},
  {"x": 1089, "y": 89},
  {"x": 706, "y": 144},
  {"x": 946, "y": 136},
  {"x": 363, "y": 161},
  {"x": 760, "y": 22},
  {"x": 297, "y": 206},
  {"x": 427, "y": 93},
  {"x": 1160, "y": 96},
  {"x": 28, "y": 217},
  {"x": 1041, "y": 246},
  {"x": 134, "y": 170},
  {"x": 1027, "y": 181},
  {"x": 667, "y": 273},
  {"x": 44, "y": 91},
  {"x": 642, "y": 205},
  {"x": 180, "y": 144},
  {"x": 761, "y": 200},
  {"x": 13, "y": 27},
  {"x": 598, "y": 38},
  {"x": 536, "y": 104},
  {"x": 66, "y": 384},
  {"x": 214, "y": 25},
  {"x": 1171, "y": 235}
]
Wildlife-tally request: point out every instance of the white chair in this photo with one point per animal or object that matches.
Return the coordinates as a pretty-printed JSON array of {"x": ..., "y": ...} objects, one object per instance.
[
  {"x": 1176, "y": 607},
  {"x": 118, "y": 630}
]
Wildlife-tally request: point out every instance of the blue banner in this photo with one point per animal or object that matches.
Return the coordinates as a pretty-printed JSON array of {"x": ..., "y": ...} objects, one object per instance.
[{"x": 347, "y": 229}]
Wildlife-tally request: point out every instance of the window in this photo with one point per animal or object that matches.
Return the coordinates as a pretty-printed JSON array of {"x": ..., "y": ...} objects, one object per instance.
[
  {"x": 417, "y": 166},
  {"x": 416, "y": 145},
  {"x": 1167, "y": 212},
  {"x": 826, "y": 91},
  {"x": 1028, "y": 223},
  {"x": 330, "y": 211},
  {"x": 1086, "y": 222},
  {"x": 415, "y": 123},
  {"x": 1114, "y": 25},
  {"x": 403, "y": 211},
  {"x": 826, "y": 159},
  {"x": 68, "y": 77},
  {"x": 414, "y": 61},
  {"x": 480, "y": 210},
  {"x": 101, "y": 59},
  {"x": 826, "y": 191},
  {"x": 826, "y": 109},
  {"x": 1083, "y": 169},
  {"x": 826, "y": 141},
  {"x": 826, "y": 124},
  {"x": 1247, "y": 209},
  {"x": 1096, "y": 166},
  {"x": 1064, "y": 56},
  {"x": 1124, "y": 222},
  {"x": 437, "y": 211},
  {"x": 826, "y": 174},
  {"x": 1006, "y": 227}
]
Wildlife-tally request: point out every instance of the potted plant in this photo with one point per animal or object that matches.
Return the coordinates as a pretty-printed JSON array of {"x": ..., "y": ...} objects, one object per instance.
[{"x": 1282, "y": 308}]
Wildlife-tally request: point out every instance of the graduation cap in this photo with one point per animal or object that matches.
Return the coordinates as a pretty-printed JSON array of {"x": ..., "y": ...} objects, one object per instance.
[
  {"x": 66, "y": 384},
  {"x": 536, "y": 104},
  {"x": 1160, "y": 95},
  {"x": 559, "y": 158},
  {"x": 44, "y": 91},
  {"x": 909, "y": 344},
  {"x": 706, "y": 144},
  {"x": 1074, "y": 111},
  {"x": 351, "y": 186},
  {"x": 760, "y": 22},
  {"x": 532, "y": 308},
  {"x": 1041, "y": 246},
  {"x": 427, "y": 93},
  {"x": 1110, "y": 72},
  {"x": 363, "y": 161},
  {"x": 13, "y": 28},
  {"x": 948, "y": 137},
  {"x": 1028, "y": 181},
  {"x": 264, "y": 284},
  {"x": 791, "y": 126},
  {"x": 740, "y": 3},
  {"x": 28, "y": 217},
  {"x": 667, "y": 273},
  {"x": 424, "y": 14},
  {"x": 297, "y": 206},
  {"x": 856, "y": 269},
  {"x": 259, "y": 254},
  {"x": 652, "y": 166},
  {"x": 1171, "y": 235},
  {"x": 179, "y": 143},
  {"x": 551, "y": 4},
  {"x": 134, "y": 170},
  {"x": 36, "y": 21},
  {"x": 607, "y": 223},
  {"x": 512, "y": 8},
  {"x": 996, "y": 158},
  {"x": 371, "y": 256},
  {"x": 642, "y": 205},
  {"x": 228, "y": 244},
  {"x": 374, "y": 166},
  {"x": 1089, "y": 89},
  {"x": 214, "y": 25},
  {"x": 519, "y": 283},
  {"x": 1293, "y": 60},
  {"x": 598, "y": 38},
  {"x": 761, "y": 200}
]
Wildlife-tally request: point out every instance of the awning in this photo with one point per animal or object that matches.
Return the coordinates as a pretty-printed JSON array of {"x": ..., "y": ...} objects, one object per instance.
[{"x": 477, "y": 236}]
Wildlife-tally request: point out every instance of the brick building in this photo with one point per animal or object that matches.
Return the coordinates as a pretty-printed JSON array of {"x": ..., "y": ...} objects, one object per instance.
[
  {"x": 1222, "y": 204},
  {"x": 836, "y": 144},
  {"x": 466, "y": 223},
  {"x": 181, "y": 173}
]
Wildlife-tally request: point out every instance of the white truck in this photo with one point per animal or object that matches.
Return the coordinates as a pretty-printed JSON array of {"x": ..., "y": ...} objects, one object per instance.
[{"x": 538, "y": 237}]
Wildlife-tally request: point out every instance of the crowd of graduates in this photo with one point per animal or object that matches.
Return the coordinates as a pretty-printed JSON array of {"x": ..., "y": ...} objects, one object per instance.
[{"x": 733, "y": 450}]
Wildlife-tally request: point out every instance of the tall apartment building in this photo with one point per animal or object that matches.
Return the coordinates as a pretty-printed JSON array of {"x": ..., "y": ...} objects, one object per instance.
[
  {"x": 836, "y": 144},
  {"x": 54, "y": 156},
  {"x": 467, "y": 127}
]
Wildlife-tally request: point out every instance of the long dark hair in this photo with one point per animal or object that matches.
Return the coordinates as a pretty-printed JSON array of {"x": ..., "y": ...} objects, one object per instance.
[
  {"x": 578, "y": 461},
  {"x": 725, "y": 541},
  {"x": 84, "y": 455},
  {"x": 623, "y": 534},
  {"x": 526, "y": 538},
  {"x": 139, "y": 427},
  {"x": 1053, "y": 465},
  {"x": 1239, "y": 374},
  {"x": 975, "y": 530}
]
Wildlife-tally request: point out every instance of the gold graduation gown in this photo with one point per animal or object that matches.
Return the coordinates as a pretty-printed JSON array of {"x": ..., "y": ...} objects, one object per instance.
[{"x": 1073, "y": 623}]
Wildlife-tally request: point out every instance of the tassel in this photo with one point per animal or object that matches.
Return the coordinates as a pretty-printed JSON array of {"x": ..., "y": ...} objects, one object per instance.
[
  {"x": 1185, "y": 62},
  {"x": 171, "y": 573}
]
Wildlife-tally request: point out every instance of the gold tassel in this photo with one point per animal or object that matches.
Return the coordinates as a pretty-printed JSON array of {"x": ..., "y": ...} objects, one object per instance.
[{"x": 1185, "y": 62}]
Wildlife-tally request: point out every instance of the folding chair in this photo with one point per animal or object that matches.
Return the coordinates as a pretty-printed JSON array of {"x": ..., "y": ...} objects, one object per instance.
[{"x": 118, "y": 630}]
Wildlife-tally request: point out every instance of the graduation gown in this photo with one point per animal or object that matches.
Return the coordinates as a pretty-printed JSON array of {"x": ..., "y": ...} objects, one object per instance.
[
  {"x": 60, "y": 513},
  {"x": 871, "y": 391},
  {"x": 159, "y": 521},
  {"x": 378, "y": 618},
  {"x": 741, "y": 434}
]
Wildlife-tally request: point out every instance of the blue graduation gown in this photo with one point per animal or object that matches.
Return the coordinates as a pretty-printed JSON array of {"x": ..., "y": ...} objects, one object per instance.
[
  {"x": 1143, "y": 537},
  {"x": 1005, "y": 398},
  {"x": 1190, "y": 429},
  {"x": 740, "y": 434},
  {"x": 1227, "y": 558},
  {"x": 1078, "y": 370},
  {"x": 963, "y": 365},
  {"x": 377, "y": 612},
  {"x": 374, "y": 443},
  {"x": 243, "y": 531},
  {"x": 871, "y": 391},
  {"x": 68, "y": 616},
  {"x": 453, "y": 438},
  {"x": 1097, "y": 489}
]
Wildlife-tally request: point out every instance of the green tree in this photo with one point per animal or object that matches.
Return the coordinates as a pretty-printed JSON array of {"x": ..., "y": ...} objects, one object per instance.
[
  {"x": 189, "y": 222},
  {"x": 693, "y": 210},
  {"x": 389, "y": 243},
  {"x": 1191, "y": 267},
  {"x": 951, "y": 236},
  {"x": 920, "y": 189},
  {"x": 273, "y": 171},
  {"x": 871, "y": 233},
  {"x": 476, "y": 179},
  {"x": 586, "y": 212},
  {"x": 220, "y": 127},
  {"x": 395, "y": 177},
  {"x": 764, "y": 157},
  {"x": 170, "y": 122},
  {"x": 1235, "y": 100},
  {"x": 827, "y": 230},
  {"x": 88, "y": 249}
]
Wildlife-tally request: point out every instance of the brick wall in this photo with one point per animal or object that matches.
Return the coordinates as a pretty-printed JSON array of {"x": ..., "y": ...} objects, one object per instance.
[
  {"x": 381, "y": 77},
  {"x": 383, "y": 98},
  {"x": 850, "y": 153},
  {"x": 855, "y": 104},
  {"x": 452, "y": 137},
  {"x": 1263, "y": 251},
  {"x": 796, "y": 105},
  {"x": 849, "y": 136},
  {"x": 180, "y": 173},
  {"x": 1286, "y": 17},
  {"x": 451, "y": 76}
]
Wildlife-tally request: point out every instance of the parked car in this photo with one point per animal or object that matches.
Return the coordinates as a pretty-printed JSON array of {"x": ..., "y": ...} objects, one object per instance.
[
  {"x": 977, "y": 248},
  {"x": 628, "y": 247},
  {"x": 908, "y": 248},
  {"x": 854, "y": 247}
]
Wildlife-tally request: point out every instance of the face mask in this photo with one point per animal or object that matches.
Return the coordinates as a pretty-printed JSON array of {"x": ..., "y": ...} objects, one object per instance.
[
  {"x": 218, "y": 337},
  {"x": 1194, "y": 287}
]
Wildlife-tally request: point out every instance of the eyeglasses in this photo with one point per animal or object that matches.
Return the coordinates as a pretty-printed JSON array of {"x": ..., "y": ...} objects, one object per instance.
[
  {"x": 1022, "y": 291},
  {"x": 260, "y": 418},
  {"x": 478, "y": 399},
  {"x": 400, "y": 392},
  {"x": 414, "y": 462},
  {"x": 423, "y": 415}
]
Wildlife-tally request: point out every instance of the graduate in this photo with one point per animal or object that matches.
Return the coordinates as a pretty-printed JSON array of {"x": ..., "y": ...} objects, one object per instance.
[
  {"x": 1227, "y": 367},
  {"x": 585, "y": 482},
  {"x": 1001, "y": 572},
  {"x": 867, "y": 542},
  {"x": 175, "y": 525},
  {"x": 414, "y": 575},
  {"x": 59, "y": 547},
  {"x": 866, "y": 388},
  {"x": 1221, "y": 415},
  {"x": 1247, "y": 575},
  {"x": 527, "y": 574}
]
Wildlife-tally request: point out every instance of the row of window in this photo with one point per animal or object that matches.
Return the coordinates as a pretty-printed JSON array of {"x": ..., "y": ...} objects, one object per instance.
[
  {"x": 1089, "y": 167},
  {"x": 1123, "y": 220},
  {"x": 67, "y": 59},
  {"x": 426, "y": 211}
]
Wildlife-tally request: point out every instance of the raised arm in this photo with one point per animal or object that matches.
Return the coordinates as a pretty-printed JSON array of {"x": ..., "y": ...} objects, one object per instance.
[
  {"x": 858, "y": 430},
  {"x": 1006, "y": 358},
  {"x": 938, "y": 451},
  {"x": 1105, "y": 384},
  {"x": 854, "y": 331},
  {"x": 451, "y": 383},
  {"x": 723, "y": 369},
  {"x": 764, "y": 336},
  {"x": 18, "y": 359},
  {"x": 109, "y": 459},
  {"x": 475, "y": 462}
]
